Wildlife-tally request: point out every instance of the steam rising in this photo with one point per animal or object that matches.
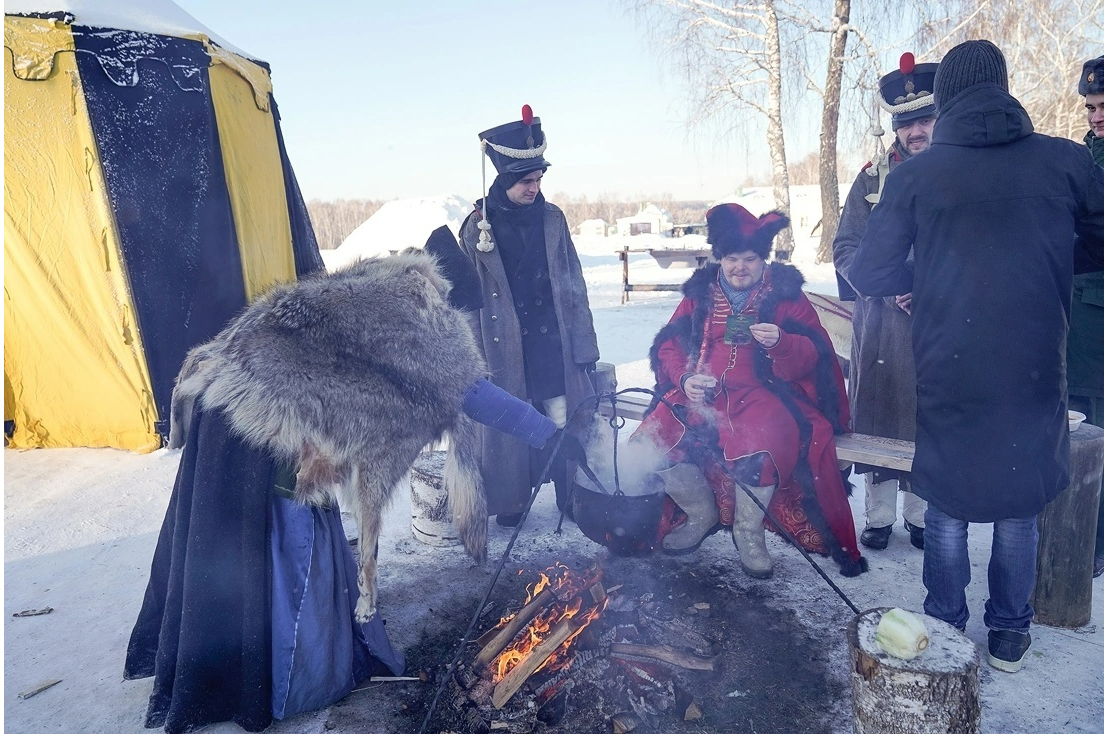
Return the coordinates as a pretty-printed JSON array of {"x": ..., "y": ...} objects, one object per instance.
[{"x": 636, "y": 459}]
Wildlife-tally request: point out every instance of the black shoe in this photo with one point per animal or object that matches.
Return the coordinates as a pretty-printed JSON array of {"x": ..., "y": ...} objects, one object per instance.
[
  {"x": 508, "y": 520},
  {"x": 916, "y": 535},
  {"x": 1007, "y": 648},
  {"x": 1098, "y": 566},
  {"x": 876, "y": 538}
]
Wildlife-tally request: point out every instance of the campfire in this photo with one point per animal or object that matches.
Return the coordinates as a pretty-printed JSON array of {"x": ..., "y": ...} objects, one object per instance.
[
  {"x": 571, "y": 632},
  {"x": 540, "y": 636}
]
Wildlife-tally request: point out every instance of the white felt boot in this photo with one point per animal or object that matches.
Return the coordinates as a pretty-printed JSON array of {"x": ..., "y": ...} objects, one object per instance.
[
  {"x": 686, "y": 485},
  {"x": 748, "y": 533}
]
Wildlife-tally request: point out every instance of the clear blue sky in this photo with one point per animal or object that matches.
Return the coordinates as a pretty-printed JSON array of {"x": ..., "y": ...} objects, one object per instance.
[{"x": 385, "y": 100}]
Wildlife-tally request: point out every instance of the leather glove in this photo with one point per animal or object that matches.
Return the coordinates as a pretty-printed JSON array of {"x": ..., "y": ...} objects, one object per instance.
[{"x": 570, "y": 448}]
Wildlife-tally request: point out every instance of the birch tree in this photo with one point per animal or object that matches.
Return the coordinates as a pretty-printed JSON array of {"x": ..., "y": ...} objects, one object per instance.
[
  {"x": 1044, "y": 42},
  {"x": 731, "y": 53}
]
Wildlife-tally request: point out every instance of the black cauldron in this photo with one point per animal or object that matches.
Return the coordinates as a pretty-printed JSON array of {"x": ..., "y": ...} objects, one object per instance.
[{"x": 626, "y": 524}]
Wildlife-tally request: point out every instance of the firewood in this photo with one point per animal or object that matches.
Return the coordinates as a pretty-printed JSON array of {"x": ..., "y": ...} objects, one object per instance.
[
  {"x": 665, "y": 653},
  {"x": 39, "y": 688},
  {"x": 677, "y": 633},
  {"x": 524, "y": 616},
  {"x": 516, "y": 678},
  {"x": 33, "y": 612},
  {"x": 624, "y": 722}
]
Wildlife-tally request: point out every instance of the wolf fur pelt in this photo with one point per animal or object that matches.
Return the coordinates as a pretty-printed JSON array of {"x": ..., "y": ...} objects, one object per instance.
[{"x": 349, "y": 376}]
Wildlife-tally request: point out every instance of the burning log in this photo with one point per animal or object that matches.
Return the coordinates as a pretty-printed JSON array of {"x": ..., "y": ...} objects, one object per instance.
[
  {"x": 664, "y": 653},
  {"x": 524, "y": 616},
  {"x": 516, "y": 678}
]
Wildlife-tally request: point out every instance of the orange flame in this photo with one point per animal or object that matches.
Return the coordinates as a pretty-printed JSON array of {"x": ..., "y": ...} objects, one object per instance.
[{"x": 568, "y": 586}]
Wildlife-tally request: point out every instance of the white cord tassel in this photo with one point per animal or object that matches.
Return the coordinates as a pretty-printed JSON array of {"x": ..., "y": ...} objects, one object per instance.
[{"x": 485, "y": 243}]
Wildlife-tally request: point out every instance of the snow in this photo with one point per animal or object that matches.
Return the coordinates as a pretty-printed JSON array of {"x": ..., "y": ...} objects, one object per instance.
[
  {"x": 81, "y": 524},
  {"x": 397, "y": 225},
  {"x": 163, "y": 17}
]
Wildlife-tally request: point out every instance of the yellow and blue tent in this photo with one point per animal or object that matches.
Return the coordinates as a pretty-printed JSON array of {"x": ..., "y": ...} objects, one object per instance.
[{"x": 147, "y": 198}]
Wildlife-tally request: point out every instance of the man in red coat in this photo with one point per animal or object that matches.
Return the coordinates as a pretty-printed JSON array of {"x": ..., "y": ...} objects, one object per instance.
[{"x": 745, "y": 366}]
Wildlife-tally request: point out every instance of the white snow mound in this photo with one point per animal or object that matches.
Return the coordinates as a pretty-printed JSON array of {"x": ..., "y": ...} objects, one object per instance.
[{"x": 397, "y": 225}]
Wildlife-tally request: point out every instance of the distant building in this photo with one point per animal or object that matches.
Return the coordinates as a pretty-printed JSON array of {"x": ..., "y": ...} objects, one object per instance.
[
  {"x": 593, "y": 228},
  {"x": 649, "y": 220}
]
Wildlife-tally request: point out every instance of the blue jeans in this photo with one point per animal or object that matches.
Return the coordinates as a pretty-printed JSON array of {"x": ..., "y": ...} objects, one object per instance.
[{"x": 1011, "y": 571}]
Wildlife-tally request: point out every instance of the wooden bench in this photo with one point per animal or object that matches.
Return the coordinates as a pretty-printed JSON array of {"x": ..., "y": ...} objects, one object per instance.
[{"x": 851, "y": 448}]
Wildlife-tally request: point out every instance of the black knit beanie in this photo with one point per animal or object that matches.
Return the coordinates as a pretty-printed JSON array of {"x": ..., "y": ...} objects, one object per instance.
[{"x": 967, "y": 64}]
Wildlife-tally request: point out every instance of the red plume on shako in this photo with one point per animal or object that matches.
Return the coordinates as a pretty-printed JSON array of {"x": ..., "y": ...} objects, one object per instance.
[
  {"x": 906, "y": 92},
  {"x": 527, "y": 114}
]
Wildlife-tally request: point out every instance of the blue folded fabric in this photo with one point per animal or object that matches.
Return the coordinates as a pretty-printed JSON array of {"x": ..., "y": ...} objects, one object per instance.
[{"x": 492, "y": 406}]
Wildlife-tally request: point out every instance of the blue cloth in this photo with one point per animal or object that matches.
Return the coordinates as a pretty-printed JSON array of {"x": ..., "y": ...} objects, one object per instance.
[
  {"x": 492, "y": 406},
  {"x": 319, "y": 652},
  {"x": 1011, "y": 570}
]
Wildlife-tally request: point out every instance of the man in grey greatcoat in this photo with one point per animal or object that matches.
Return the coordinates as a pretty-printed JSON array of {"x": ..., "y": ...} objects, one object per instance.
[
  {"x": 882, "y": 380},
  {"x": 536, "y": 329}
]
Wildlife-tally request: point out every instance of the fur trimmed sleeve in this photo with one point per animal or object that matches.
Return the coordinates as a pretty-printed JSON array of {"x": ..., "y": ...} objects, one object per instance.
[{"x": 669, "y": 357}]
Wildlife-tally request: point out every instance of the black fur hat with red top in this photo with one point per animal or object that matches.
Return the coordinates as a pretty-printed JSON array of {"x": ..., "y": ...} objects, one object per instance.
[
  {"x": 733, "y": 229},
  {"x": 907, "y": 92}
]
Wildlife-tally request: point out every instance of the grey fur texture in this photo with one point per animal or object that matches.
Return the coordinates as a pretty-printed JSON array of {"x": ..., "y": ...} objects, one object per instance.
[{"x": 349, "y": 376}]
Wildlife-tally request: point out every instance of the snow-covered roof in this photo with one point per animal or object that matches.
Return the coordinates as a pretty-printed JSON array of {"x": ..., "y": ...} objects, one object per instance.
[
  {"x": 163, "y": 17},
  {"x": 649, "y": 213},
  {"x": 397, "y": 225}
]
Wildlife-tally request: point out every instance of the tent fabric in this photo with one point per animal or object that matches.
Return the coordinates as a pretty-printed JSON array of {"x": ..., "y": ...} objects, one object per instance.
[
  {"x": 254, "y": 173},
  {"x": 71, "y": 347},
  {"x": 148, "y": 198}
]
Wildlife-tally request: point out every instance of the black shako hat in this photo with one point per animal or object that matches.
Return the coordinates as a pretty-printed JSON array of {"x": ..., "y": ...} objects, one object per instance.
[
  {"x": 967, "y": 64},
  {"x": 516, "y": 147},
  {"x": 1092, "y": 77},
  {"x": 733, "y": 229},
  {"x": 907, "y": 93},
  {"x": 457, "y": 269}
]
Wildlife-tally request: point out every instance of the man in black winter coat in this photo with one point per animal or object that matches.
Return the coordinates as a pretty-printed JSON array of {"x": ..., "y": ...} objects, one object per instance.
[{"x": 992, "y": 211}]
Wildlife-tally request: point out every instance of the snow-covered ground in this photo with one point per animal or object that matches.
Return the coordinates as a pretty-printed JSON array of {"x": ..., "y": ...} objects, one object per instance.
[{"x": 81, "y": 524}]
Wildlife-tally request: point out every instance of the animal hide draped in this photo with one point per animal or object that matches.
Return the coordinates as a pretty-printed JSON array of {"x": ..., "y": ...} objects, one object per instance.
[{"x": 349, "y": 376}]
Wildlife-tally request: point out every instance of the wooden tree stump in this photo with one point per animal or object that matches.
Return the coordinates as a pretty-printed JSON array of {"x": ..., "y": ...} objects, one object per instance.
[
  {"x": 936, "y": 692},
  {"x": 1067, "y": 537},
  {"x": 430, "y": 515}
]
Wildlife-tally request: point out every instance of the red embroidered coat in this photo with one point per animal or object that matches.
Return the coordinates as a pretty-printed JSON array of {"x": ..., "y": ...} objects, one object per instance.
[{"x": 775, "y": 412}]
